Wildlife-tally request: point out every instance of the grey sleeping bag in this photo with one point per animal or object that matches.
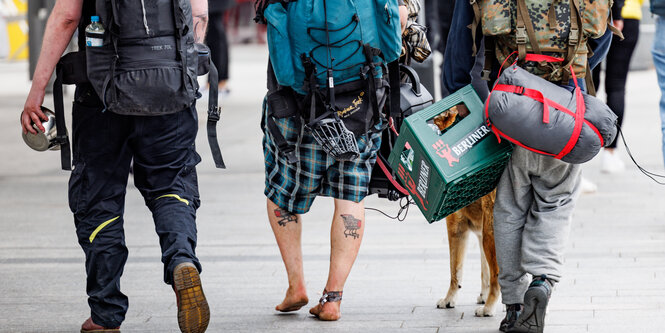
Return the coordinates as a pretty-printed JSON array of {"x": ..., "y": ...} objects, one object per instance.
[{"x": 516, "y": 112}]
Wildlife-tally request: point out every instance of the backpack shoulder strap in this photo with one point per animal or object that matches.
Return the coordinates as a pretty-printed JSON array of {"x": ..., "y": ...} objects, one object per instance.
[
  {"x": 575, "y": 39},
  {"x": 213, "y": 117},
  {"x": 61, "y": 126},
  {"x": 524, "y": 28}
]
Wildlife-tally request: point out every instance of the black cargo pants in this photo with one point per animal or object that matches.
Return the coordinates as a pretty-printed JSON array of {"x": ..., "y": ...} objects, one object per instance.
[{"x": 162, "y": 148}]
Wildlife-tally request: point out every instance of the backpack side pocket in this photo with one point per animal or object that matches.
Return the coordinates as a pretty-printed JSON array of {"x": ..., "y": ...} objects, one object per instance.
[
  {"x": 497, "y": 17},
  {"x": 594, "y": 17},
  {"x": 279, "y": 44},
  {"x": 389, "y": 29}
]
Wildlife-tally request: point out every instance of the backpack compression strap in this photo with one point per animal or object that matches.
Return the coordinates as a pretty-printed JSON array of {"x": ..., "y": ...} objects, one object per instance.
[
  {"x": 213, "y": 117},
  {"x": 280, "y": 103},
  {"x": 61, "y": 127},
  {"x": 474, "y": 24},
  {"x": 524, "y": 28}
]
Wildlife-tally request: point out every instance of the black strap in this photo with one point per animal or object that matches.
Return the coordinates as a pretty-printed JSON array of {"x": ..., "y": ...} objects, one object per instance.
[
  {"x": 280, "y": 106},
  {"x": 213, "y": 117},
  {"x": 369, "y": 74},
  {"x": 60, "y": 125},
  {"x": 110, "y": 78},
  {"x": 490, "y": 53},
  {"x": 394, "y": 85},
  {"x": 282, "y": 145}
]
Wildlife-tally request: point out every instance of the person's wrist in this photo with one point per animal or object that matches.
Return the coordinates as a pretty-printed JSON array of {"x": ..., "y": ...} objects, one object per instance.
[{"x": 37, "y": 90}]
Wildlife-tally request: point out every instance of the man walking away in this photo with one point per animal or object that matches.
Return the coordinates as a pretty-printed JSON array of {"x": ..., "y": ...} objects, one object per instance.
[
  {"x": 536, "y": 193},
  {"x": 107, "y": 136},
  {"x": 321, "y": 120}
]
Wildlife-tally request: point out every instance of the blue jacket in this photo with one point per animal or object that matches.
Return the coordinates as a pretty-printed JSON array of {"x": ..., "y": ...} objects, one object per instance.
[{"x": 458, "y": 61}]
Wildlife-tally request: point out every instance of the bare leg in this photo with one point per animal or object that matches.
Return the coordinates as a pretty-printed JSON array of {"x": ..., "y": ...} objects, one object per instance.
[
  {"x": 346, "y": 234},
  {"x": 287, "y": 229}
]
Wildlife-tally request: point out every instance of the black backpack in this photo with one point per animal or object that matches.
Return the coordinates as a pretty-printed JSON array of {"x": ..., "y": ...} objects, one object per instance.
[{"x": 147, "y": 65}]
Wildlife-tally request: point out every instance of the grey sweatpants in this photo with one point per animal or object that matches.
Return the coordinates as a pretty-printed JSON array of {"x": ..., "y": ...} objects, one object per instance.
[{"x": 532, "y": 215}]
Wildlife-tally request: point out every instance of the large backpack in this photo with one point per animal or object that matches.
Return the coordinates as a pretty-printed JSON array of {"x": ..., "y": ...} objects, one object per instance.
[
  {"x": 328, "y": 59},
  {"x": 147, "y": 65},
  {"x": 558, "y": 28},
  {"x": 297, "y": 39},
  {"x": 527, "y": 105}
]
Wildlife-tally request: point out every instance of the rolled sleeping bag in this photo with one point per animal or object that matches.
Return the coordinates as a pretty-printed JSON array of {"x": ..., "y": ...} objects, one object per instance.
[{"x": 540, "y": 116}]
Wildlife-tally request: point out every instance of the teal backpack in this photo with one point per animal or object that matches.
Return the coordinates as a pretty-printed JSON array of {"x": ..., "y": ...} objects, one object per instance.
[
  {"x": 325, "y": 56},
  {"x": 297, "y": 34}
]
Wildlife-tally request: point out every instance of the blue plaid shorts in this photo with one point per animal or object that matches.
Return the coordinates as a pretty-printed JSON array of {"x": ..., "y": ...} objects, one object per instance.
[{"x": 293, "y": 187}]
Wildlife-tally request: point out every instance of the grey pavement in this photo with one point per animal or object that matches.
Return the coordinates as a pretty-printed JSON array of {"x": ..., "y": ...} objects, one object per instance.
[{"x": 614, "y": 273}]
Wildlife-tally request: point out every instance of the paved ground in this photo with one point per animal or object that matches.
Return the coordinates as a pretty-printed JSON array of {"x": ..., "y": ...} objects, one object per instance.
[{"x": 615, "y": 264}]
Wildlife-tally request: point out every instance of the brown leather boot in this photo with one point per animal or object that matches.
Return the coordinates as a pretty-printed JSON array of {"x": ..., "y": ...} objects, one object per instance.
[
  {"x": 90, "y": 327},
  {"x": 193, "y": 311}
]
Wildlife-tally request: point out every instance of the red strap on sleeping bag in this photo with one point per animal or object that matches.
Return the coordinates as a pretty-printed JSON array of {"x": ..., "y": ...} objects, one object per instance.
[{"x": 534, "y": 94}]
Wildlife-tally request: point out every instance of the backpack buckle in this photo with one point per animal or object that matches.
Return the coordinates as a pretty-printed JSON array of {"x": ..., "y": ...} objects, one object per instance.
[
  {"x": 213, "y": 113},
  {"x": 485, "y": 74},
  {"x": 573, "y": 36},
  {"x": 520, "y": 35},
  {"x": 291, "y": 157}
]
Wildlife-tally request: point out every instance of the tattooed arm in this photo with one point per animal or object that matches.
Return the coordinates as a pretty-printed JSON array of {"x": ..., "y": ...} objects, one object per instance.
[{"x": 200, "y": 15}]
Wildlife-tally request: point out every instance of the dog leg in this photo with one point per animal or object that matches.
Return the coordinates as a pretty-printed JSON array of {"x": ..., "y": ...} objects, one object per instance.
[
  {"x": 457, "y": 236},
  {"x": 489, "y": 251},
  {"x": 484, "y": 274}
]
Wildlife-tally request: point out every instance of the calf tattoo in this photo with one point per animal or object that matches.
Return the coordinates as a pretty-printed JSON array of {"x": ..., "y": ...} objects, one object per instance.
[
  {"x": 351, "y": 225},
  {"x": 285, "y": 217}
]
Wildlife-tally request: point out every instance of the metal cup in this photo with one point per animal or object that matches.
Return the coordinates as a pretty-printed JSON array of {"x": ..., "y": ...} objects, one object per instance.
[{"x": 46, "y": 140}]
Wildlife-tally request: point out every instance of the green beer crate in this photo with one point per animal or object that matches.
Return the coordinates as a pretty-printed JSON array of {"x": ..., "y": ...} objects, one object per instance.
[{"x": 446, "y": 171}]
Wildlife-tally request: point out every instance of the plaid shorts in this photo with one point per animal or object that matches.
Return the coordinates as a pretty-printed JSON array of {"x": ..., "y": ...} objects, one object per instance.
[{"x": 293, "y": 187}]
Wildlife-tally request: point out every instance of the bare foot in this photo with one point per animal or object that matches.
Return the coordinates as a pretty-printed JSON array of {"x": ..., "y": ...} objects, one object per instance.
[
  {"x": 329, "y": 311},
  {"x": 293, "y": 301}
]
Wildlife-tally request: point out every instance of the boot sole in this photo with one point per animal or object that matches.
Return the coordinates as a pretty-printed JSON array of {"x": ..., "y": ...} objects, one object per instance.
[
  {"x": 532, "y": 319},
  {"x": 101, "y": 331},
  {"x": 193, "y": 310}
]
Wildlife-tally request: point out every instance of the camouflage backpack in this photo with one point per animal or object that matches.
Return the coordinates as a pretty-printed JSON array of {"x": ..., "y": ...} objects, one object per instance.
[{"x": 557, "y": 28}]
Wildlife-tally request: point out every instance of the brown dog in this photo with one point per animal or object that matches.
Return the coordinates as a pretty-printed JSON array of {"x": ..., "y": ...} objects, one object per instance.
[{"x": 477, "y": 218}]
